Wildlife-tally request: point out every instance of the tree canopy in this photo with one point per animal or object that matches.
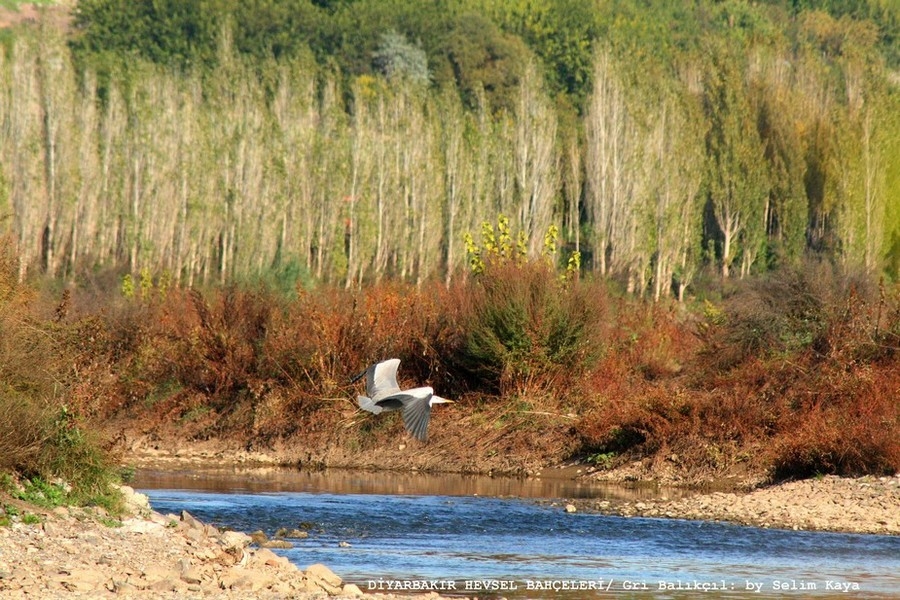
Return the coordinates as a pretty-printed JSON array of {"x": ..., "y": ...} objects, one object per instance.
[{"x": 357, "y": 139}]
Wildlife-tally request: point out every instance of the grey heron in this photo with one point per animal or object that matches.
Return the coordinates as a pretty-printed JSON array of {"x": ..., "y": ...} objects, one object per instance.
[{"x": 384, "y": 394}]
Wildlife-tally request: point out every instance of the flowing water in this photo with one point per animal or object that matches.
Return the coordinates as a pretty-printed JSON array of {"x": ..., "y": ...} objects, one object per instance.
[{"x": 489, "y": 537}]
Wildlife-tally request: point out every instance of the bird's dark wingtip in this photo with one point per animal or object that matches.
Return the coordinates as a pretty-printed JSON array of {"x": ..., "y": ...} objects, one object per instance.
[{"x": 356, "y": 378}]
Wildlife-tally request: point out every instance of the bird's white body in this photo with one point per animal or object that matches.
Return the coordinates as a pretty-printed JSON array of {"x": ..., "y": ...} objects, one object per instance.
[{"x": 384, "y": 394}]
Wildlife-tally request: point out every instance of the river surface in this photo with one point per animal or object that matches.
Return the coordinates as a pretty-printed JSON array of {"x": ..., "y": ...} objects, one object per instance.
[{"x": 489, "y": 537}]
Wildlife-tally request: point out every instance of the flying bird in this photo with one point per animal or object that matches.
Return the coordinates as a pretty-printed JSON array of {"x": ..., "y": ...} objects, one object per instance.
[{"x": 383, "y": 394}]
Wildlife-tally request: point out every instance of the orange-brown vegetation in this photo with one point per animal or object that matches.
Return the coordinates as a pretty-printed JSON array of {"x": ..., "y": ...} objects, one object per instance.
[{"x": 790, "y": 376}]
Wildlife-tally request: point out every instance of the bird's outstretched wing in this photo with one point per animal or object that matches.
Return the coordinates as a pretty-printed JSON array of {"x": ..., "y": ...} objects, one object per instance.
[
  {"x": 417, "y": 411},
  {"x": 381, "y": 379}
]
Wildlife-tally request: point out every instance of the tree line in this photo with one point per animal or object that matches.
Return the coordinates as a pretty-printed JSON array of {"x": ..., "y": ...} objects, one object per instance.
[{"x": 227, "y": 140}]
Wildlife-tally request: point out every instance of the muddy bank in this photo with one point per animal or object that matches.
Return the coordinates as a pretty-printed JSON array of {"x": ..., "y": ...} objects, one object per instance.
[
  {"x": 75, "y": 552},
  {"x": 860, "y": 505}
]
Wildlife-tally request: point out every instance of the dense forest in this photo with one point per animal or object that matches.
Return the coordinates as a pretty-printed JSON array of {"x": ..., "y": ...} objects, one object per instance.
[
  {"x": 511, "y": 196},
  {"x": 346, "y": 141}
]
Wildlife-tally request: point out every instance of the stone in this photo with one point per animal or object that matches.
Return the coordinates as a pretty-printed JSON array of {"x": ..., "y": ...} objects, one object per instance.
[
  {"x": 154, "y": 573},
  {"x": 324, "y": 574},
  {"x": 135, "y": 503},
  {"x": 276, "y": 544},
  {"x": 351, "y": 589},
  {"x": 282, "y": 588},
  {"x": 258, "y": 537},
  {"x": 284, "y": 532},
  {"x": 570, "y": 508},
  {"x": 230, "y": 577},
  {"x": 189, "y": 520},
  {"x": 262, "y": 555},
  {"x": 143, "y": 526},
  {"x": 50, "y": 528},
  {"x": 83, "y": 580},
  {"x": 244, "y": 580},
  {"x": 234, "y": 539},
  {"x": 279, "y": 562},
  {"x": 167, "y": 585},
  {"x": 191, "y": 576},
  {"x": 106, "y": 559},
  {"x": 121, "y": 587}
]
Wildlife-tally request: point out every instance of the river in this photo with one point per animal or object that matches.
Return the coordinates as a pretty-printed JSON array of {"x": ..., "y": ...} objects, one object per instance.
[{"x": 485, "y": 536}]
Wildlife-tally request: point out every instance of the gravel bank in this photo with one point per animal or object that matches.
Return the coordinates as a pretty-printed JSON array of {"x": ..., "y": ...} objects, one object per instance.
[
  {"x": 77, "y": 553},
  {"x": 863, "y": 505}
]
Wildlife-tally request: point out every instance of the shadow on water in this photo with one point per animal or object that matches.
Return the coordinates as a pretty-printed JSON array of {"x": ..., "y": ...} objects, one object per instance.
[{"x": 477, "y": 536}]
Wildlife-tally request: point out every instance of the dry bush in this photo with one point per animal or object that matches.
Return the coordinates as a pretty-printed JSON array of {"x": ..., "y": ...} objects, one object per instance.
[
  {"x": 39, "y": 436},
  {"x": 327, "y": 335},
  {"x": 22, "y": 433},
  {"x": 225, "y": 353},
  {"x": 636, "y": 397},
  {"x": 517, "y": 342},
  {"x": 815, "y": 307},
  {"x": 844, "y": 420},
  {"x": 28, "y": 362}
]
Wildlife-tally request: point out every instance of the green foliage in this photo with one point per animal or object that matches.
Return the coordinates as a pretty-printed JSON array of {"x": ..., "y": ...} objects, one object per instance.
[
  {"x": 496, "y": 246},
  {"x": 128, "y": 286},
  {"x": 286, "y": 279},
  {"x": 561, "y": 33},
  {"x": 737, "y": 172},
  {"x": 30, "y": 519},
  {"x": 258, "y": 126},
  {"x": 527, "y": 329},
  {"x": 180, "y": 33},
  {"x": 74, "y": 454},
  {"x": 16, "y": 4},
  {"x": 38, "y": 492},
  {"x": 396, "y": 58},
  {"x": 602, "y": 460},
  {"x": 483, "y": 61},
  {"x": 884, "y": 13},
  {"x": 39, "y": 436}
]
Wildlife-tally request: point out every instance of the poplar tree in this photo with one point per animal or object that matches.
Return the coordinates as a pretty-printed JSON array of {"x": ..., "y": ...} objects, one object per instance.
[{"x": 736, "y": 168}]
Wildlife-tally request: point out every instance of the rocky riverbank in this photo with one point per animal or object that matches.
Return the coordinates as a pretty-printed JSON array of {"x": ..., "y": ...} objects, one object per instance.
[
  {"x": 861, "y": 505},
  {"x": 75, "y": 552}
]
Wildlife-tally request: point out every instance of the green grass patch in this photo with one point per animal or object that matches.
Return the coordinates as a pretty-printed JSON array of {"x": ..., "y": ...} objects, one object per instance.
[
  {"x": 40, "y": 493},
  {"x": 16, "y": 4}
]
